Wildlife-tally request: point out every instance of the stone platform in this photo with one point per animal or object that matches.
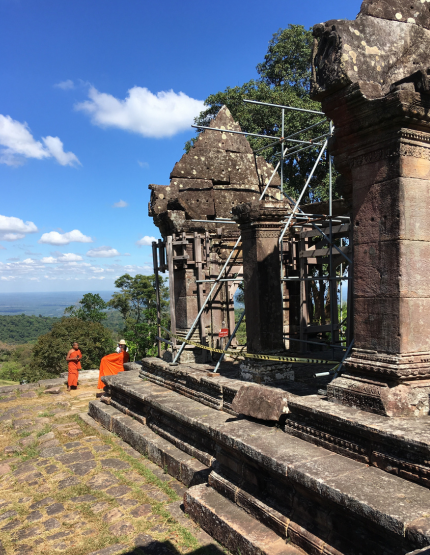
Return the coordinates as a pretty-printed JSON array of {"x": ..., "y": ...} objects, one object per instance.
[
  {"x": 330, "y": 489},
  {"x": 400, "y": 446}
]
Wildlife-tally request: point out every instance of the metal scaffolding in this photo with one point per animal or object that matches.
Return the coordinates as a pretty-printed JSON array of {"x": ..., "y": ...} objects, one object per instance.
[{"x": 315, "y": 252}]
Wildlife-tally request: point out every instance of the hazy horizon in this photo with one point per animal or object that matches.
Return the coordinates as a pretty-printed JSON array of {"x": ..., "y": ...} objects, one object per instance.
[{"x": 49, "y": 303}]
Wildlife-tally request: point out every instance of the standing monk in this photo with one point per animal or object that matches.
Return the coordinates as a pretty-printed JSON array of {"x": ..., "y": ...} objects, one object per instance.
[
  {"x": 113, "y": 364},
  {"x": 73, "y": 359}
]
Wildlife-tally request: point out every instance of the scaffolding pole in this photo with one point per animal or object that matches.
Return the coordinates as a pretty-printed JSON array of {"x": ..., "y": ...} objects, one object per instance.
[
  {"x": 285, "y": 107},
  {"x": 157, "y": 293},
  {"x": 221, "y": 358},
  {"x": 191, "y": 330}
]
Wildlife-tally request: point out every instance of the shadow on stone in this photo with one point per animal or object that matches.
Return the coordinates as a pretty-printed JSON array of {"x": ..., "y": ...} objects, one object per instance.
[{"x": 144, "y": 543}]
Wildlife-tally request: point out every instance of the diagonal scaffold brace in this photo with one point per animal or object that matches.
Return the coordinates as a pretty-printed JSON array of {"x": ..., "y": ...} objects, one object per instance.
[{"x": 214, "y": 286}]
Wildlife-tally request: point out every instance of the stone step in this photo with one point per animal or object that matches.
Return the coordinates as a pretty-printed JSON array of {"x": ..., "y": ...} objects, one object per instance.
[
  {"x": 399, "y": 446},
  {"x": 321, "y": 500},
  {"x": 231, "y": 526},
  {"x": 178, "y": 464}
]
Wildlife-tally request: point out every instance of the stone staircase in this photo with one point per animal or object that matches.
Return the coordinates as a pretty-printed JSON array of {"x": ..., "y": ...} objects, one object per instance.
[{"x": 257, "y": 488}]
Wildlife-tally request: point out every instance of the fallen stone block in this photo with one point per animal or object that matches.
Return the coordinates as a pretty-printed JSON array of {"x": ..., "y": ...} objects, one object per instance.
[
  {"x": 53, "y": 390},
  {"x": 4, "y": 468},
  {"x": 11, "y": 449},
  {"x": 46, "y": 437},
  {"x": 263, "y": 403}
]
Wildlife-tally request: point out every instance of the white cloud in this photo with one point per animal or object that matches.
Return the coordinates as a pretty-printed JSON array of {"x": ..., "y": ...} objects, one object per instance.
[
  {"x": 28, "y": 261},
  {"x": 143, "y": 164},
  {"x": 12, "y": 229},
  {"x": 145, "y": 241},
  {"x": 55, "y": 238},
  {"x": 18, "y": 143},
  {"x": 103, "y": 252},
  {"x": 97, "y": 277},
  {"x": 48, "y": 260},
  {"x": 65, "y": 85},
  {"x": 152, "y": 115},
  {"x": 55, "y": 147},
  {"x": 120, "y": 204},
  {"x": 69, "y": 257}
]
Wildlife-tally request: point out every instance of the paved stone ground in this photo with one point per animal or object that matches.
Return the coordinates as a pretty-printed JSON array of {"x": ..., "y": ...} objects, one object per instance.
[{"x": 71, "y": 488}]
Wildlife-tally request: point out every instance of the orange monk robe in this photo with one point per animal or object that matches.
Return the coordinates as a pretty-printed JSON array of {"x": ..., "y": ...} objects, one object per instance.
[
  {"x": 73, "y": 368},
  {"x": 110, "y": 365}
]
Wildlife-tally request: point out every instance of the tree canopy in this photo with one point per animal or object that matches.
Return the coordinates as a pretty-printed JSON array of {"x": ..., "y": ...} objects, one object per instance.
[
  {"x": 19, "y": 329},
  {"x": 284, "y": 78},
  {"x": 137, "y": 304},
  {"x": 91, "y": 308}
]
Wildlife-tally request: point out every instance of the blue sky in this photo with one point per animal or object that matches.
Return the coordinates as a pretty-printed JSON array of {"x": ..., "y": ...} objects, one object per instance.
[{"x": 96, "y": 102}]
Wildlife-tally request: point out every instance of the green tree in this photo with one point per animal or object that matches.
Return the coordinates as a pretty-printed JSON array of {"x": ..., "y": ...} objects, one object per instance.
[
  {"x": 49, "y": 353},
  {"x": 284, "y": 78},
  {"x": 137, "y": 304},
  {"x": 91, "y": 308}
]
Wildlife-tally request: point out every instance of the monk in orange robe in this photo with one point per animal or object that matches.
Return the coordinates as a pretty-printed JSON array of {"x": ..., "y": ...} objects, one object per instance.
[
  {"x": 110, "y": 365},
  {"x": 74, "y": 357}
]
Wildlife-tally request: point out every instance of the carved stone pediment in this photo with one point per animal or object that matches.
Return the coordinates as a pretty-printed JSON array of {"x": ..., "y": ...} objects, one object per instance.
[{"x": 384, "y": 46}]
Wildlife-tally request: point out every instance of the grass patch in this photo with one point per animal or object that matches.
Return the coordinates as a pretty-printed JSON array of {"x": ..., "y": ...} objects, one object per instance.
[
  {"x": 8, "y": 382},
  {"x": 24, "y": 434},
  {"x": 46, "y": 429},
  {"x": 141, "y": 469},
  {"x": 46, "y": 413},
  {"x": 30, "y": 452}
]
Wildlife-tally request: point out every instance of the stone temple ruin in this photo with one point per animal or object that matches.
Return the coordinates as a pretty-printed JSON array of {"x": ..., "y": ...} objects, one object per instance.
[{"x": 333, "y": 464}]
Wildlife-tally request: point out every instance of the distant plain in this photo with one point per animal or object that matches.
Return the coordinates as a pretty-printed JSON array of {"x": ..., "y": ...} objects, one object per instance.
[{"x": 45, "y": 304}]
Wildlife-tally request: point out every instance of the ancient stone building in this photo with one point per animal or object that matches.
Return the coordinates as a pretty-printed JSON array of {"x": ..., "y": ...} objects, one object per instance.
[
  {"x": 371, "y": 76},
  {"x": 294, "y": 468},
  {"x": 219, "y": 172}
]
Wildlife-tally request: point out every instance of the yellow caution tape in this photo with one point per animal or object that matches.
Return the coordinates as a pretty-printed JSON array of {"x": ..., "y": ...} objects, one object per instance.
[{"x": 258, "y": 357}]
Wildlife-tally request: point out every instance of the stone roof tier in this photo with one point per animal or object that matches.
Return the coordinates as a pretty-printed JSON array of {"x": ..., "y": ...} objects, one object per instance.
[{"x": 219, "y": 172}]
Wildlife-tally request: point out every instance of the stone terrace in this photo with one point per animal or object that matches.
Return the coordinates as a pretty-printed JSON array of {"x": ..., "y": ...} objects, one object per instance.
[{"x": 69, "y": 486}]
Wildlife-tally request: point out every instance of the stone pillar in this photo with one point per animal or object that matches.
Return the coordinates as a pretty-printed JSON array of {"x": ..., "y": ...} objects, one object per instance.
[
  {"x": 261, "y": 228},
  {"x": 382, "y": 147}
]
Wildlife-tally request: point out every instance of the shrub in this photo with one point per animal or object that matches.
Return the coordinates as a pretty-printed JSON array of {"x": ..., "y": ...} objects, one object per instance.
[{"x": 50, "y": 351}]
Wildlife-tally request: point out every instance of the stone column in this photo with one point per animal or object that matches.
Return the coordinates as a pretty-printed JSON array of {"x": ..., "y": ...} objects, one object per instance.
[
  {"x": 382, "y": 147},
  {"x": 261, "y": 228}
]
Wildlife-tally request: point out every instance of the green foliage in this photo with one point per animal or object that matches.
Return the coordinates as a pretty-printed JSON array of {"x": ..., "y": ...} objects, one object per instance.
[
  {"x": 50, "y": 351},
  {"x": 241, "y": 332},
  {"x": 90, "y": 308},
  {"x": 137, "y": 304},
  {"x": 114, "y": 322},
  {"x": 24, "y": 329},
  {"x": 13, "y": 360},
  {"x": 284, "y": 78},
  {"x": 11, "y": 371}
]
